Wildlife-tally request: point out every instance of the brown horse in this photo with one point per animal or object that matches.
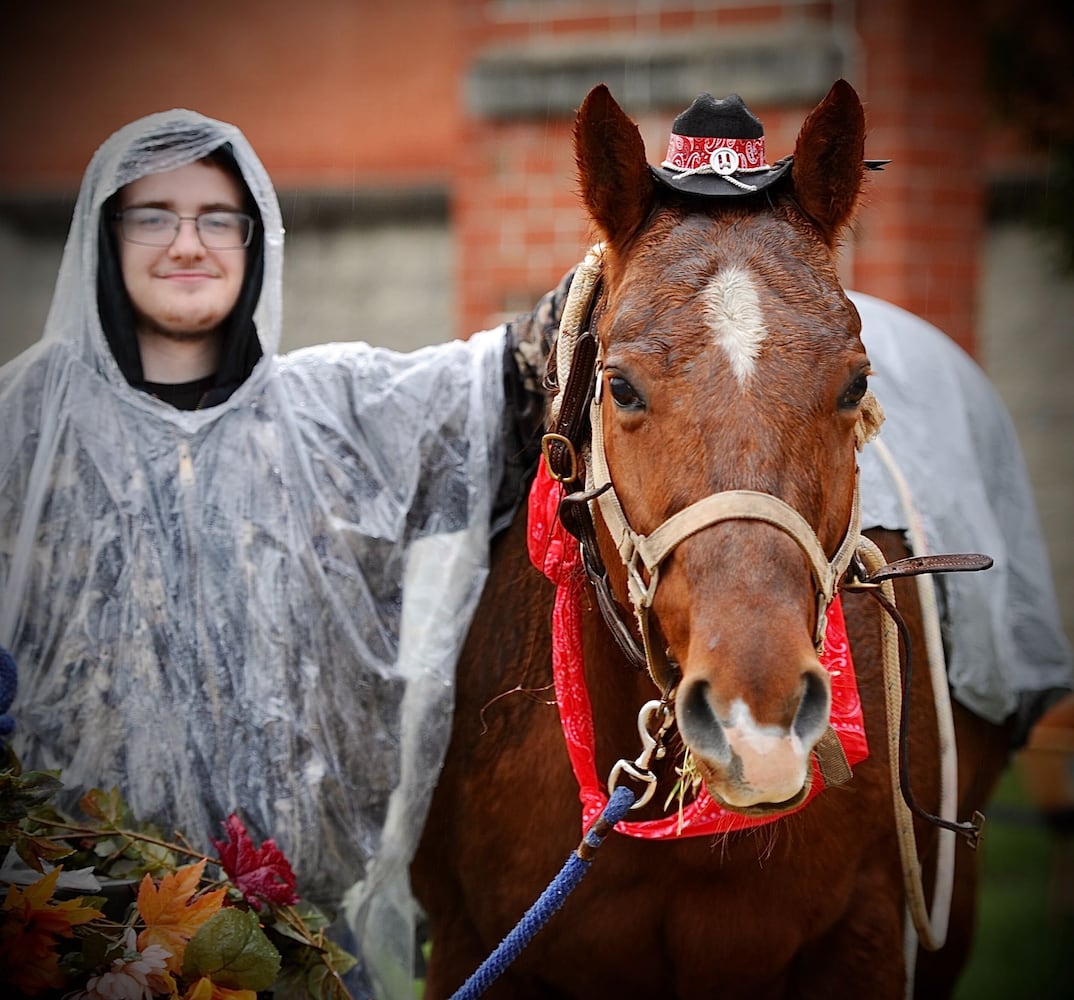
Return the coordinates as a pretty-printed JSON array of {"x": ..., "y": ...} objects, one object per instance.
[{"x": 729, "y": 360}]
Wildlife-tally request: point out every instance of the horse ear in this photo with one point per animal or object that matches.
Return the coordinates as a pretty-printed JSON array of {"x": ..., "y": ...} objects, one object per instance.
[
  {"x": 829, "y": 160},
  {"x": 617, "y": 187}
]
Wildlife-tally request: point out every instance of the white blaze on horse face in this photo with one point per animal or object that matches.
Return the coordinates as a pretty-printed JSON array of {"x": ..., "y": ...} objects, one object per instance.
[
  {"x": 734, "y": 312},
  {"x": 773, "y": 761}
]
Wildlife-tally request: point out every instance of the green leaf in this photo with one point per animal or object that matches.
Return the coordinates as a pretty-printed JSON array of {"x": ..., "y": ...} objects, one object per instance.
[
  {"x": 340, "y": 960},
  {"x": 106, "y": 847},
  {"x": 291, "y": 984},
  {"x": 232, "y": 950},
  {"x": 21, "y": 793},
  {"x": 98, "y": 949},
  {"x": 309, "y": 983},
  {"x": 284, "y": 930},
  {"x": 156, "y": 857},
  {"x": 313, "y": 918}
]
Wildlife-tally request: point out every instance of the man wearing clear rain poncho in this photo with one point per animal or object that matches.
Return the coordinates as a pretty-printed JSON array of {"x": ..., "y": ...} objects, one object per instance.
[{"x": 244, "y": 588}]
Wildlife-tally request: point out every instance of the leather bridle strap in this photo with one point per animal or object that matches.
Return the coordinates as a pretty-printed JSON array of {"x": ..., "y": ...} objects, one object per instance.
[{"x": 574, "y": 368}]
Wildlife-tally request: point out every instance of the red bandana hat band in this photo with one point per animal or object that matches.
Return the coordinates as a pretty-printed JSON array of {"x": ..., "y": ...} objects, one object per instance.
[
  {"x": 553, "y": 551},
  {"x": 722, "y": 156}
]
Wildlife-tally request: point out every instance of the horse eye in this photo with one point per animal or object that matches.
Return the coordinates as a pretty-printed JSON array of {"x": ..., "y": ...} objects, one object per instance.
[
  {"x": 854, "y": 392},
  {"x": 623, "y": 393}
]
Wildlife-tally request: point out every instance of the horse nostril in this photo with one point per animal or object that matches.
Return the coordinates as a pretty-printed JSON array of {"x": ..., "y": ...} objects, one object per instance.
[
  {"x": 814, "y": 709},
  {"x": 698, "y": 723}
]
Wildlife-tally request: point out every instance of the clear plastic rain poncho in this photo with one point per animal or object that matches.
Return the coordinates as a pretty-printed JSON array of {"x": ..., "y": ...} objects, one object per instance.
[{"x": 254, "y": 607}]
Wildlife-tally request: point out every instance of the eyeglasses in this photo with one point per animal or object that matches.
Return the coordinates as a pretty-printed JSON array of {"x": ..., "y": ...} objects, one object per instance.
[{"x": 158, "y": 227}]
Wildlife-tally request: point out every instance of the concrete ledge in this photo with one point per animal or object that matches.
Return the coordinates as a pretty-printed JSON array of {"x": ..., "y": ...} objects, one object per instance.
[
  {"x": 364, "y": 206},
  {"x": 551, "y": 78},
  {"x": 48, "y": 215}
]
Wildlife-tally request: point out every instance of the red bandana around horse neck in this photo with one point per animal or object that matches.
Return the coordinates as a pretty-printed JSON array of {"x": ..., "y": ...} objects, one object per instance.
[{"x": 553, "y": 551}]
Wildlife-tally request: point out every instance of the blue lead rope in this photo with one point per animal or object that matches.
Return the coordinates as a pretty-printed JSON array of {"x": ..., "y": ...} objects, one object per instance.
[{"x": 550, "y": 900}]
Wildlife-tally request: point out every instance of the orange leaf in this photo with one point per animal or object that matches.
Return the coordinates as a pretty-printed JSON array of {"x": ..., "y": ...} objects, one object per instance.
[
  {"x": 200, "y": 990},
  {"x": 206, "y": 989},
  {"x": 35, "y": 905},
  {"x": 174, "y": 911},
  {"x": 30, "y": 922}
]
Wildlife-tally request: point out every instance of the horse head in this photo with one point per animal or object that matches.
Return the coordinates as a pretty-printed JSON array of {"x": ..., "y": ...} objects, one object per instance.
[{"x": 731, "y": 394}]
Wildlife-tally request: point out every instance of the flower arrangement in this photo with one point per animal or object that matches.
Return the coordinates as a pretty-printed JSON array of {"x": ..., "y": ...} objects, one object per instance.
[{"x": 170, "y": 922}]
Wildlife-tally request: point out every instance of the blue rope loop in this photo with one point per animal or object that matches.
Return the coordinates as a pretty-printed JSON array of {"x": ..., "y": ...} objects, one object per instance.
[{"x": 550, "y": 900}]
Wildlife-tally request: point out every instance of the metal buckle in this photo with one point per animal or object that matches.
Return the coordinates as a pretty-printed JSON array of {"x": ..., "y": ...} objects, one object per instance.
[{"x": 547, "y": 441}]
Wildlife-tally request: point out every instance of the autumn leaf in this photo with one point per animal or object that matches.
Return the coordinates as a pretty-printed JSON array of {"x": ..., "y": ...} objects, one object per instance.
[
  {"x": 108, "y": 807},
  {"x": 35, "y": 904},
  {"x": 34, "y": 850},
  {"x": 206, "y": 989},
  {"x": 174, "y": 912},
  {"x": 30, "y": 923},
  {"x": 261, "y": 873},
  {"x": 200, "y": 989}
]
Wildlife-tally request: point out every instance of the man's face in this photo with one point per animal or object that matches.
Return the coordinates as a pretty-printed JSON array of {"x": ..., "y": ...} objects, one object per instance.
[{"x": 183, "y": 291}]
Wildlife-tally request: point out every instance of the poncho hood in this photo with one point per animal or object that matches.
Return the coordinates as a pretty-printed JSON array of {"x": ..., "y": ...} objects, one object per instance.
[{"x": 90, "y": 309}]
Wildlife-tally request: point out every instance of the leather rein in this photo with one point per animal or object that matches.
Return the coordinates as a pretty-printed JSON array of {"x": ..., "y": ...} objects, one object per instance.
[{"x": 573, "y": 449}]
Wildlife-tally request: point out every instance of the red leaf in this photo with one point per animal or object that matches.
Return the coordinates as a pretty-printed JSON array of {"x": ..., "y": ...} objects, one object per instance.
[{"x": 261, "y": 873}]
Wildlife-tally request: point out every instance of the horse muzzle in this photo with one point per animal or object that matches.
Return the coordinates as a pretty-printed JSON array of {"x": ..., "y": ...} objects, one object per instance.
[{"x": 750, "y": 766}]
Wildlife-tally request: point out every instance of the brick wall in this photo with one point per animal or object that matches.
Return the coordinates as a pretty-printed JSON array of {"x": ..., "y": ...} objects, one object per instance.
[
  {"x": 333, "y": 94},
  {"x": 917, "y": 65},
  {"x": 921, "y": 232},
  {"x": 517, "y": 220}
]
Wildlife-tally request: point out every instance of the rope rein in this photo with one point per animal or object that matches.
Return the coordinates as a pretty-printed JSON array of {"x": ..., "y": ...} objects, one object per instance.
[{"x": 572, "y": 872}]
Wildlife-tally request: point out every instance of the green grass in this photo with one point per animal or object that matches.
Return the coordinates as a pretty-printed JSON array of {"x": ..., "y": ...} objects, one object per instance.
[{"x": 1025, "y": 934}]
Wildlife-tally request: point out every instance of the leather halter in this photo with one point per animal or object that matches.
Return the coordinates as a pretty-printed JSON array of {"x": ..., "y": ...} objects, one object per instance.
[{"x": 648, "y": 552}]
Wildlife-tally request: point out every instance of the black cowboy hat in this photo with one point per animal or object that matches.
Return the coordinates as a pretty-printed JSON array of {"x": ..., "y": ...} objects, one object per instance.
[{"x": 717, "y": 149}]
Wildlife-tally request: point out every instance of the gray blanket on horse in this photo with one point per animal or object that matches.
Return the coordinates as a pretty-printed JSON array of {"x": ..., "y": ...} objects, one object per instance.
[{"x": 953, "y": 441}]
